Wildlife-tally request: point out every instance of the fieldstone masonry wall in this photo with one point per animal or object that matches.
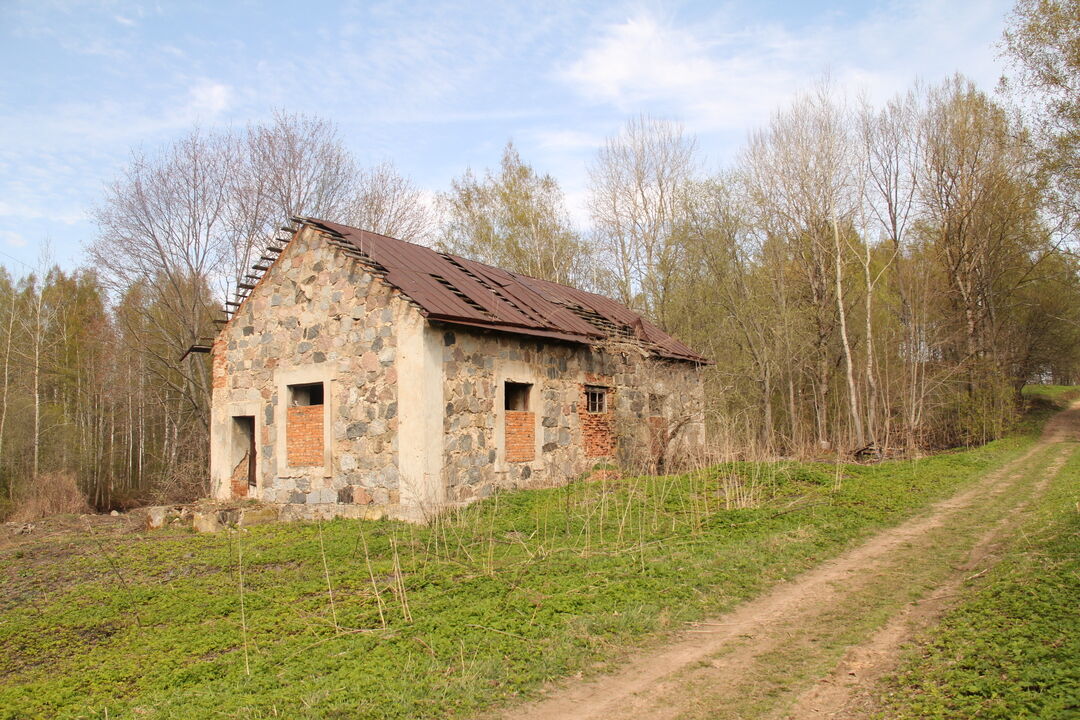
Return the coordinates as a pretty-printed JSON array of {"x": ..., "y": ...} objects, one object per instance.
[
  {"x": 316, "y": 316},
  {"x": 571, "y": 440}
]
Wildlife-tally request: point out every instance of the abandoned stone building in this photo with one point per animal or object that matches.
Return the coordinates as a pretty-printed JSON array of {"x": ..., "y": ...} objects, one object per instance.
[{"x": 361, "y": 375}]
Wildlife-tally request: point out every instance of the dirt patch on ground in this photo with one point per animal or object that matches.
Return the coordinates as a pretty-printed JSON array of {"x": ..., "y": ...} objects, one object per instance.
[
  {"x": 848, "y": 691},
  {"x": 704, "y": 672}
]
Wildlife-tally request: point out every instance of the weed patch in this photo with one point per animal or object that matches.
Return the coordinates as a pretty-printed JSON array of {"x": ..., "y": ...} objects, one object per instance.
[
  {"x": 1011, "y": 649},
  {"x": 354, "y": 618}
]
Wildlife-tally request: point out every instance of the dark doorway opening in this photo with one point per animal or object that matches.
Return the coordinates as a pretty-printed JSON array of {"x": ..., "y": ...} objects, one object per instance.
[{"x": 244, "y": 455}]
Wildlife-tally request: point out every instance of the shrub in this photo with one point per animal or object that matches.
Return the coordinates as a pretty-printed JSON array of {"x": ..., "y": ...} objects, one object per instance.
[{"x": 50, "y": 493}]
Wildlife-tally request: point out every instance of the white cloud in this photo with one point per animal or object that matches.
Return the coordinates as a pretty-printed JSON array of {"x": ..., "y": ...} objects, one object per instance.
[
  {"x": 124, "y": 20},
  {"x": 208, "y": 99},
  {"x": 13, "y": 239},
  {"x": 718, "y": 75},
  {"x": 640, "y": 59},
  {"x": 567, "y": 140},
  {"x": 67, "y": 216}
]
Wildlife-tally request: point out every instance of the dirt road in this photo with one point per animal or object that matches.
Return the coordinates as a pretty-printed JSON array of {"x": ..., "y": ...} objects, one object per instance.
[{"x": 815, "y": 646}]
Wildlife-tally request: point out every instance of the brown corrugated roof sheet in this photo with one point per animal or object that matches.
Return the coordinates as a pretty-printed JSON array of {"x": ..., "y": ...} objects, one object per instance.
[{"x": 456, "y": 290}]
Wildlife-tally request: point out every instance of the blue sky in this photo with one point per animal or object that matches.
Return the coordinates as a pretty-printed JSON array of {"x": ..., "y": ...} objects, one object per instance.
[{"x": 435, "y": 87}]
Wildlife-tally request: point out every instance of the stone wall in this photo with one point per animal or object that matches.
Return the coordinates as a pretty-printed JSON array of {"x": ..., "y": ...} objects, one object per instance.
[
  {"x": 316, "y": 316},
  {"x": 483, "y": 449}
]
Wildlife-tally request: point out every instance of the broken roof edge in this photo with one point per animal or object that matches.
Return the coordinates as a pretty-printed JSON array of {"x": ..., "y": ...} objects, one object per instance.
[{"x": 391, "y": 254}]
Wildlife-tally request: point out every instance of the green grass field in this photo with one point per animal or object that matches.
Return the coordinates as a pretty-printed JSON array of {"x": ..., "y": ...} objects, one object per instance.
[
  {"x": 1011, "y": 647},
  {"x": 351, "y": 619}
]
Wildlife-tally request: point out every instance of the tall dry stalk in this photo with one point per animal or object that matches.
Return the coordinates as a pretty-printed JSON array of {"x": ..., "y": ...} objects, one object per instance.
[
  {"x": 326, "y": 574},
  {"x": 243, "y": 609},
  {"x": 371, "y": 576}
]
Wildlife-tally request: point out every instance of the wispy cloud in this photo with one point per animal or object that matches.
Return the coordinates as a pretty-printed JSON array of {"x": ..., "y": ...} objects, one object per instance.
[
  {"x": 208, "y": 99},
  {"x": 13, "y": 239},
  {"x": 720, "y": 74},
  {"x": 437, "y": 86}
]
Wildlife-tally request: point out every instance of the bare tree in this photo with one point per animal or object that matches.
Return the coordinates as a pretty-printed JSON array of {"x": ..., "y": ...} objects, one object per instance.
[
  {"x": 164, "y": 227},
  {"x": 637, "y": 186},
  {"x": 799, "y": 177},
  {"x": 388, "y": 203},
  {"x": 294, "y": 165}
]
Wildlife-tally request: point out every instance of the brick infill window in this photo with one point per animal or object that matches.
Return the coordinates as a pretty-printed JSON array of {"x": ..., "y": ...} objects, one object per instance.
[
  {"x": 520, "y": 436},
  {"x": 597, "y": 421}
]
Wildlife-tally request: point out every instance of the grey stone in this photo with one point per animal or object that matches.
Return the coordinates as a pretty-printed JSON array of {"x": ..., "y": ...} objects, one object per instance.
[
  {"x": 355, "y": 430},
  {"x": 262, "y": 515},
  {"x": 155, "y": 517},
  {"x": 206, "y": 522},
  {"x": 389, "y": 476},
  {"x": 298, "y": 498}
]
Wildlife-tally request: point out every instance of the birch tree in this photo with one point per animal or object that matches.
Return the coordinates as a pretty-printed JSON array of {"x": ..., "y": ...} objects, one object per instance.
[{"x": 637, "y": 195}]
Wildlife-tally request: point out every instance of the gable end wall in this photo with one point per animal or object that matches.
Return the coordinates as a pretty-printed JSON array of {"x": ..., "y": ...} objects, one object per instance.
[{"x": 316, "y": 316}]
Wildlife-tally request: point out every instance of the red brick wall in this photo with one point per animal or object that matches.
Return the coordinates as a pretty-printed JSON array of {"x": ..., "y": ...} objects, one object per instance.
[
  {"x": 239, "y": 479},
  {"x": 597, "y": 429},
  {"x": 218, "y": 363},
  {"x": 520, "y": 436},
  {"x": 657, "y": 435},
  {"x": 304, "y": 435}
]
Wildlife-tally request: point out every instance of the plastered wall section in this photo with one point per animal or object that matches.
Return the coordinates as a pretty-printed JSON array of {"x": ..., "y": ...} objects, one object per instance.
[
  {"x": 486, "y": 446},
  {"x": 318, "y": 316}
]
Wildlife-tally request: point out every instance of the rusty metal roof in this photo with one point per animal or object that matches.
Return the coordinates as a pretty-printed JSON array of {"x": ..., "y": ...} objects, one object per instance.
[{"x": 459, "y": 291}]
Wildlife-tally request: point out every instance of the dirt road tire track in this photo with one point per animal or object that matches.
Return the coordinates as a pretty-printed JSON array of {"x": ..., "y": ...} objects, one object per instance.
[{"x": 701, "y": 674}]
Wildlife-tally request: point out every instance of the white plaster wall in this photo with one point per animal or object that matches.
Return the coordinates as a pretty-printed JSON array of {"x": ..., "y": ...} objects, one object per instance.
[{"x": 420, "y": 410}]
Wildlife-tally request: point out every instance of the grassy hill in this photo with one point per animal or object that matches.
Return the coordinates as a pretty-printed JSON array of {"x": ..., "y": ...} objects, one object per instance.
[{"x": 349, "y": 619}]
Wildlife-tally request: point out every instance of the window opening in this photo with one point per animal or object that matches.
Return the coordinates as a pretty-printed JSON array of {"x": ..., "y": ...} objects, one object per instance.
[
  {"x": 516, "y": 396},
  {"x": 595, "y": 399},
  {"x": 309, "y": 394}
]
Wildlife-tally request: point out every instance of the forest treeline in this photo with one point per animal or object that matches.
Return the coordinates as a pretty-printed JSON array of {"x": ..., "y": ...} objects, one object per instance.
[{"x": 861, "y": 274}]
